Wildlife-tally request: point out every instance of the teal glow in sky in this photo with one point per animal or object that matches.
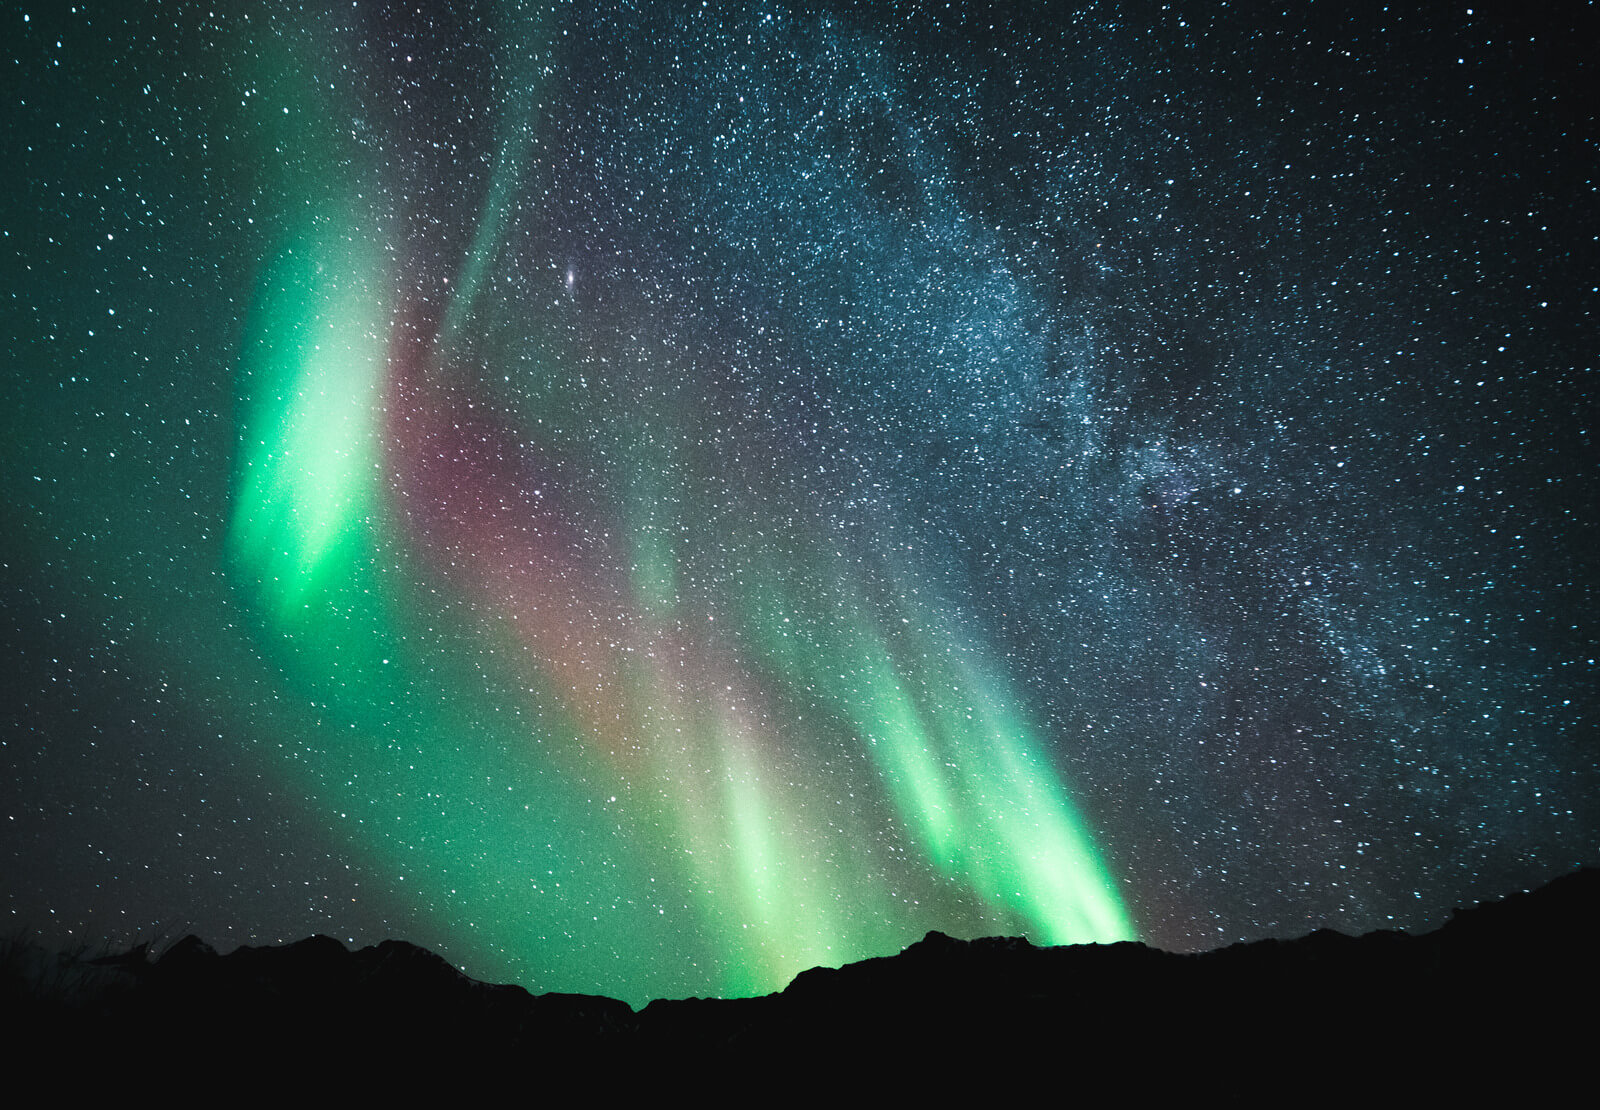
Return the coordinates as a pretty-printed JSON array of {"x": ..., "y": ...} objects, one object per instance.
[
  {"x": 648, "y": 502},
  {"x": 704, "y": 744}
]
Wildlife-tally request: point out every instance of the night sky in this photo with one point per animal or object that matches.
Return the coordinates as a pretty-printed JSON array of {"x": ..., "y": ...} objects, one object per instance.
[{"x": 647, "y": 499}]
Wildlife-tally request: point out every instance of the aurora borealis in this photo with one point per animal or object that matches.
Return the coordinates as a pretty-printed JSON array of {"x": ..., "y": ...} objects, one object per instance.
[{"x": 646, "y": 500}]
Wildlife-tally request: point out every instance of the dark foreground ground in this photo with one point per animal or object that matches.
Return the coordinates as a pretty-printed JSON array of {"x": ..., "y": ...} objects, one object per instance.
[{"x": 1502, "y": 999}]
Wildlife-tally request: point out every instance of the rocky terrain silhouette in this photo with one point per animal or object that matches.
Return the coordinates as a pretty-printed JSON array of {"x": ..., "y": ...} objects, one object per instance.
[{"x": 1498, "y": 986}]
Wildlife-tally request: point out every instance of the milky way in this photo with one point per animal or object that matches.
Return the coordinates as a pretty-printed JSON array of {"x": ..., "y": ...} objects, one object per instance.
[{"x": 648, "y": 501}]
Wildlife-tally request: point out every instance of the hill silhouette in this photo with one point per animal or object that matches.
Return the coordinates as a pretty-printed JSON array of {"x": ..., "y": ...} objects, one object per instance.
[{"x": 1500, "y": 987}]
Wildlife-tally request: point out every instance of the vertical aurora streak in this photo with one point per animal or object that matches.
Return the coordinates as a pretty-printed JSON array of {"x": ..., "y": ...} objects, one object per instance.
[
  {"x": 783, "y": 867},
  {"x": 313, "y": 370}
]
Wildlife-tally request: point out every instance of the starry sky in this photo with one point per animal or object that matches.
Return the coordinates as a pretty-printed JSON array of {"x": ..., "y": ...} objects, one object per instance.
[{"x": 646, "y": 499}]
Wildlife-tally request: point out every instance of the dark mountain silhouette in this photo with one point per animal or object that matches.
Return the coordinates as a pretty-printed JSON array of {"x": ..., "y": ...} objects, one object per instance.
[{"x": 1500, "y": 987}]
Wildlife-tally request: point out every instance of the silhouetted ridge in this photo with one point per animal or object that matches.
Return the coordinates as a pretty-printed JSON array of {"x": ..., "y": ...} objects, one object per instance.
[{"x": 1500, "y": 979}]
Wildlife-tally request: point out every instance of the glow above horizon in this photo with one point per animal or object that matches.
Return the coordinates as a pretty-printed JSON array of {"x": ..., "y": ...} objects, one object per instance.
[
  {"x": 366, "y": 444},
  {"x": 645, "y": 501}
]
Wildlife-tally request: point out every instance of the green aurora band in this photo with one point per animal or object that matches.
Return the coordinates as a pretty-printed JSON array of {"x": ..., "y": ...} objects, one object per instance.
[{"x": 656, "y": 804}]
